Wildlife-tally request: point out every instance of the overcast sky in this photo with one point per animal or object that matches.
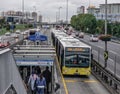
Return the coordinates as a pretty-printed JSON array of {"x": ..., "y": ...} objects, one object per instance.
[{"x": 48, "y": 8}]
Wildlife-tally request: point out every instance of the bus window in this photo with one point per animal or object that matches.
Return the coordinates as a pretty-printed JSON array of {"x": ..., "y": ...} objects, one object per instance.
[
  {"x": 83, "y": 60},
  {"x": 62, "y": 57},
  {"x": 71, "y": 60}
]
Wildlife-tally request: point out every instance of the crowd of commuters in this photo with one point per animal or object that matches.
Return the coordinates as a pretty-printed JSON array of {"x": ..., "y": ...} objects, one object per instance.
[{"x": 39, "y": 81}]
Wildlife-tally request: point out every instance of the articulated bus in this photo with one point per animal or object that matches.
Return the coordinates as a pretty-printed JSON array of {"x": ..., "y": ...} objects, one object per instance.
[
  {"x": 73, "y": 55},
  {"x": 54, "y": 34}
]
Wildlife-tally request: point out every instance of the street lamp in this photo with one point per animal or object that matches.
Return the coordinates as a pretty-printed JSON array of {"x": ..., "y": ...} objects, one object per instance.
[
  {"x": 105, "y": 31},
  {"x": 35, "y": 17},
  {"x": 105, "y": 17},
  {"x": 22, "y": 11},
  {"x": 56, "y": 17},
  {"x": 59, "y": 12},
  {"x": 67, "y": 12}
]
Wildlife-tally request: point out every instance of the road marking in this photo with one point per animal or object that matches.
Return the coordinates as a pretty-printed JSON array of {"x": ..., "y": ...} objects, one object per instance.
[
  {"x": 66, "y": 90},
  {"x": 86, "y": 81},
  {"x": 90, "y": 81},
  {"x": 71, "y": 81}
]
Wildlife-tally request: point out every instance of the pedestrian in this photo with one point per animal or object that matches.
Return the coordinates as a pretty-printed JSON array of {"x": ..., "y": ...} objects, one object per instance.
[
  {"x": 38, "y": 69},
  {"x": 47, "y": 75},
  {"x": 40, "y": 84},
  {"x": 31, "y": 82}
]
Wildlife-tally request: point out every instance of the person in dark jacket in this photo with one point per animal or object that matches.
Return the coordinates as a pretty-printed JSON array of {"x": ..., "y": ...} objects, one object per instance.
[{"x": 47, "y": 75}]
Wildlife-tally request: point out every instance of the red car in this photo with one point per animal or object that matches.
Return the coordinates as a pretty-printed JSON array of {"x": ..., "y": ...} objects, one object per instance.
[
  {"x": 1, "y": 45},
  {"x": 5, "y": 44}
]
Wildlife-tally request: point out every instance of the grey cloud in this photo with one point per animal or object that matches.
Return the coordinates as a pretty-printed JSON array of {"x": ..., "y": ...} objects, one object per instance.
[{"x": 48, "y": 8}]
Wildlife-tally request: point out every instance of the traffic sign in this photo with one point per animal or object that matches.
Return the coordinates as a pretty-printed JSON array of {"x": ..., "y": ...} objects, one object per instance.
[{"x": 106, "y": 55}]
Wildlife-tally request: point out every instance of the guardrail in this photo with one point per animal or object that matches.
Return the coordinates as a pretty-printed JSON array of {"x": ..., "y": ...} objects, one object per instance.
[
  {"x": 115, "y": 39},
  {"x": 106, "y": 78}
]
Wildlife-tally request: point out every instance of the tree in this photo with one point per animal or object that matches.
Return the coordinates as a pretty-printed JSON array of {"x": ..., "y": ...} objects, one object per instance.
[
  {"x": 100, "y": 26},
  {"x": 2, "y": 22},
  {"x": 84, "y": 21}
]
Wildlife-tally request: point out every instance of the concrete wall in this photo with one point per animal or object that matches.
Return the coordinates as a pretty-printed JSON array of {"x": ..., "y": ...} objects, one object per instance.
[{"x": 9, "y": 73}]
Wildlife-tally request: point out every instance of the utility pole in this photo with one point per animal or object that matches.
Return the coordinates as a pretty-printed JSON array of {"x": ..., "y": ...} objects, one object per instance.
[
  {"x": 105, "y": 31},
  {"x": 23, "y": 12},
  {"x": 35, "y": 18},
  {"x": 67, "y": 12},
  {"x": 59, "y": 12}
]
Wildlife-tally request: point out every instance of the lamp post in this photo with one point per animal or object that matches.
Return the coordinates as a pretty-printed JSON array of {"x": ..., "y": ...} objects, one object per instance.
[
  {"x": 105, "y": 17},
  {"x": 57, "y": 17},
  {"x": 106, "y": 32},
  {"x": 35, "y": 17},
  {"x": 59, "y": 12},
  {"x": 40, "y": 18},
  {"x": 67, "y": 12},
  {"x": 23, "y": 12}
]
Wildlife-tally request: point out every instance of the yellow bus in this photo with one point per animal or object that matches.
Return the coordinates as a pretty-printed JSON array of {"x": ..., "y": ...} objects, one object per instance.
[{"x": 73, "y": 55}]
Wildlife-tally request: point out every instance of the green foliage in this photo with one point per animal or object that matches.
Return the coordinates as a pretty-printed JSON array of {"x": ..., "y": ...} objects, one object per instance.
[
  {"x": 84, "y": 22},
  {"x": 2, "y": 22},
  {"x": 100, "y": 27},
  {"x": 7, "y": 27},
  {"x": 87, "y": 23},
  {"x": 30, "y": 25}
]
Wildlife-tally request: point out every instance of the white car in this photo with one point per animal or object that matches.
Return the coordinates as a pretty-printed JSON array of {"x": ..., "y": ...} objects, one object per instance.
[
  {"x": 17, "y": 32},
  {"x": 94, "y": 38},
  {"x": 15, "y": 35},
  {"x": 7, "y": 34},
  {"x": 81, "y": 35}
]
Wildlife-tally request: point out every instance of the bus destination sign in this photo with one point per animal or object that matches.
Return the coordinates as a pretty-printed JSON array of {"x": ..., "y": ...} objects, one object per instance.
[{"x": 76, "y": 49}]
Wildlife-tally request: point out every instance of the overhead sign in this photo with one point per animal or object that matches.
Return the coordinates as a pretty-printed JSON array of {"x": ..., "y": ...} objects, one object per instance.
[
  {"x": 106, "y": 55},
  {"x": 34, "y": 62},
  {"x": 37, "y": 35},
  {"x": 32, "y": 37}
]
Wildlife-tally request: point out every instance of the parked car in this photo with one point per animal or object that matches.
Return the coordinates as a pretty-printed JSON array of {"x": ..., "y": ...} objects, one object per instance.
[{"x": 94, "y": 38}]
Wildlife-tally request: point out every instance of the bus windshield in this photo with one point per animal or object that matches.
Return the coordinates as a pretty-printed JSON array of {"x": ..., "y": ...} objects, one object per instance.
[{"x": 77, "y": 60}]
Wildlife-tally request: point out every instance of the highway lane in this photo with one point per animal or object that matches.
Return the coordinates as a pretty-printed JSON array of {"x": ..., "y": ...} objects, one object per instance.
[
  {"x": 113, "y": 47},
  {"x": 84, "y": 85},
  {"x": 113, "y": 64}
]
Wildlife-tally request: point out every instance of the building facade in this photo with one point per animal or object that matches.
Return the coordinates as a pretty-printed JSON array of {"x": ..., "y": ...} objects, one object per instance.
[
  {"x": 113, "y": 12},
  {"x": 81, "y": 10},
  {"x": 34, "y": 16},
  {"x": 40, "y": 18},
  {"x": 93, "y": 10},
  {"x": 19, "y": 17}
]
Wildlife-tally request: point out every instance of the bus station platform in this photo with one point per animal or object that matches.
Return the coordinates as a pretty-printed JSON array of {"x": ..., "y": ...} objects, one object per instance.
[{"x": 27, "y": 57}]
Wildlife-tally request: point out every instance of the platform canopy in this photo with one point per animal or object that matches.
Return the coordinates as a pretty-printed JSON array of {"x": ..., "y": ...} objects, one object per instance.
[{"x": 34, "y": 56}]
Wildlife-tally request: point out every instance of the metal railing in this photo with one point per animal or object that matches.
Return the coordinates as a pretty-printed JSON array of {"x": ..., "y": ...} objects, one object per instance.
[{"x": 106, "y": 78}]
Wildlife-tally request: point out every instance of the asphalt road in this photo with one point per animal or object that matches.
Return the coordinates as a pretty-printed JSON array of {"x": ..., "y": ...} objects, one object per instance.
[
  {"x": 84, "y": 85},
  {"x": 113, "y": 64}
]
